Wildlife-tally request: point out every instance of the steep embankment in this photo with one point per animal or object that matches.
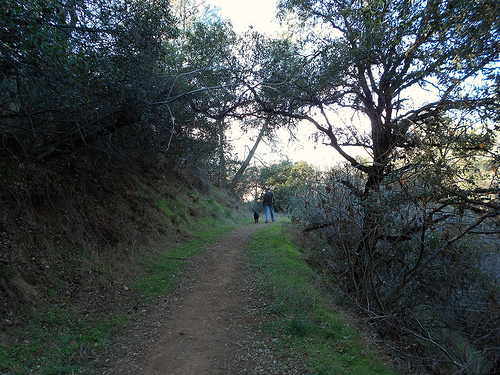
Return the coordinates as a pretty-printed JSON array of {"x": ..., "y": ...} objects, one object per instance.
[{"x": 82, "y": 247}]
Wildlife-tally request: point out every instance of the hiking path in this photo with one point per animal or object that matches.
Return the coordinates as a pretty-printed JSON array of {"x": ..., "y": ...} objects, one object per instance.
[{"x": 203, "y": 328}]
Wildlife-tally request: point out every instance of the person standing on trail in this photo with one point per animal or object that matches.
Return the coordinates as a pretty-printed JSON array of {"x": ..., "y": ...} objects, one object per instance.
[{"x": 268, "y": 203}]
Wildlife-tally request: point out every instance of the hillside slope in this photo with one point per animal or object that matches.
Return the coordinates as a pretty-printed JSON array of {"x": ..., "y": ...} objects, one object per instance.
[{"x": 77, "y": 239}]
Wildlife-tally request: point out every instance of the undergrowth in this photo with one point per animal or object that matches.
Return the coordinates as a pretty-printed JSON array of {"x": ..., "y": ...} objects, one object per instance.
[{"x": 307, "y": 334}]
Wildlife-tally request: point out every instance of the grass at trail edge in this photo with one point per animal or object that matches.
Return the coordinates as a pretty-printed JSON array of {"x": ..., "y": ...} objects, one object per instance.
[{"x": 304, "y": 328}]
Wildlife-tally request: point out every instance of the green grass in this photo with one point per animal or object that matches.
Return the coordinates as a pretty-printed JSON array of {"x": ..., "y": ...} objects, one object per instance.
[
  {"x": 165, "y": 268},
  {"x": 55, "y": 339},
  {"x": 304, "y": 327},
  {"x": 59, "y": 339}
]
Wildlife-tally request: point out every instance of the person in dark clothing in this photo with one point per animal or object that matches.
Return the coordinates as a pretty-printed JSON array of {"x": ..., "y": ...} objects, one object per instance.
[{"x": 268, "y": 203}]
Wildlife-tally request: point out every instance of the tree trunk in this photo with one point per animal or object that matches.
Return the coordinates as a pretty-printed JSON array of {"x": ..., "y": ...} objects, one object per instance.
[
  {"x": 222, "y": 159},
  {"x": 239, "y": 175},
  {"x": 370, "y": 236}
]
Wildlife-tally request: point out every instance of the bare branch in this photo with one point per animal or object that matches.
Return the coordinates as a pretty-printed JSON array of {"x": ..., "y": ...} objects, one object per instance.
[{"x": 419, "y": 268}]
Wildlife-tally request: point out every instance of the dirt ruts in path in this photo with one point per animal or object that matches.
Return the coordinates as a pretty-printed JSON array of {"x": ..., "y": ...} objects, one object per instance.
[{"x": 202, "y": 336}]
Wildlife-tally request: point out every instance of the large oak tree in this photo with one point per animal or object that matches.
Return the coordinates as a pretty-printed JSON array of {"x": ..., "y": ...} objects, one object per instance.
[{"x": 416, "y": 85}]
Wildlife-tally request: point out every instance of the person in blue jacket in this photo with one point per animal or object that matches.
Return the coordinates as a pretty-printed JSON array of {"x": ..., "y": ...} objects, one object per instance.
[{"x": 268, "y": 203}]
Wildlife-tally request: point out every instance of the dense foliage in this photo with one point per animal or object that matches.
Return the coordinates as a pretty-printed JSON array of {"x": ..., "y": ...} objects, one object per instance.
[
  {"x": 415, "y": 85},
  {"x": 421, "y": 78},
  {"x": 110, "y": 78}
]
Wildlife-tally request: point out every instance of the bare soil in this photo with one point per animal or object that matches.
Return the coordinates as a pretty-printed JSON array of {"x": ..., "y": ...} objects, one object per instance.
[{"x": 203, "y": 328}]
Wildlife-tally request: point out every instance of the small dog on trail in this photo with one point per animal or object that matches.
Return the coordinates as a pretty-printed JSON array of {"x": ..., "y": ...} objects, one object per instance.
[{"x": 255, "y": 216}]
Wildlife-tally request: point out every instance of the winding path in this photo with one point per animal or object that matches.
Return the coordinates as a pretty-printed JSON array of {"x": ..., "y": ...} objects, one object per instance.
[{"x": 202, "y": 336}]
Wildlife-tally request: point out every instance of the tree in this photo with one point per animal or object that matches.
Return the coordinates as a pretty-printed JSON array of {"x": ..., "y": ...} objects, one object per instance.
[
  {"x": 289, "y": 181},
  {"x": 76, "y": 72},
  {"x": 372, "y": 53},
  {"x": 237, "y": 178},
  {"x": 99, "y": 77},
  {"x": 225, "y": 98},
  {"x": 368, "y": 60}
]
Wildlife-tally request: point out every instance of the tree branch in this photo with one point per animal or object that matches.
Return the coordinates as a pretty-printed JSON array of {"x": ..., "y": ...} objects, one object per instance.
[{"x": 418, "y": 269}]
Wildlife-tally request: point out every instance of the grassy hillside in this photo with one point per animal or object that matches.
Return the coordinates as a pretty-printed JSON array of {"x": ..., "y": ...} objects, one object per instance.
[{"x": 82, "y": 253}]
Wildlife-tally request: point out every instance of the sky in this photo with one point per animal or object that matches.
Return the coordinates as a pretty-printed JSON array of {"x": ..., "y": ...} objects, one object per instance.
[{"x": 245, "y": 13}]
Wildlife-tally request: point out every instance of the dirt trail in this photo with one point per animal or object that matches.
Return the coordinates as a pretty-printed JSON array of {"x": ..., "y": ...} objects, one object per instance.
[{"x": 202, "y": 336}]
